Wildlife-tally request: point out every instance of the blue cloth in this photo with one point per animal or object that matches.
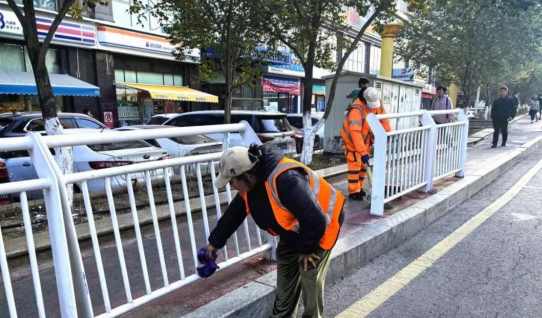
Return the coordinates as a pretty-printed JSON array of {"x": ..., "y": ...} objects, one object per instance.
[
  {"x": 365, "y": 159},
  {"x": 209, "y": 264}
]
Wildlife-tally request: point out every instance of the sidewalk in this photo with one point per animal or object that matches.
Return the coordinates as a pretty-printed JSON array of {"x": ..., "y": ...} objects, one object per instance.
[{"x": 363, "y": 236}]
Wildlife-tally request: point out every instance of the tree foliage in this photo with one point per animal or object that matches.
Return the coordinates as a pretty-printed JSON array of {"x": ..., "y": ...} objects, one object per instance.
[
  {"x": 475, "y": 43},
  {"x": 229, "y": 29}
]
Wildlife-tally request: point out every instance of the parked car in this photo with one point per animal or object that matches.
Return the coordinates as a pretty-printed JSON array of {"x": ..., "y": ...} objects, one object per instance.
[
  {"x": 18, "y": 124},
  {"x": 91, "y": 157},
  {"x": 180, "y": 146},
  {"x": 271, "y": 127},
  {"x": 4, "y": 178},
  {"x": 296, "y": 121}
]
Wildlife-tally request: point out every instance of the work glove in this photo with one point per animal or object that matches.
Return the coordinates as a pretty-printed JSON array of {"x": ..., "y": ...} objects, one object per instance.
[
  {"x": 365, "y": 159},
  {"x": 209, "y": 265}
]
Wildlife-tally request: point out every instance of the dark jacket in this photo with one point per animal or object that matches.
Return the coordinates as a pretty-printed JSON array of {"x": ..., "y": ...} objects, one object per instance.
[
  {"x": 503, "y": 108},
  {"x": 294, "y": 193}
]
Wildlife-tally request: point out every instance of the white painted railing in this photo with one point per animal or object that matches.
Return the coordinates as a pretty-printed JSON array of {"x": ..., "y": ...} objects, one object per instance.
[
  {"x": 409, "y": 159},
  {"x": 72, "y": 282}
]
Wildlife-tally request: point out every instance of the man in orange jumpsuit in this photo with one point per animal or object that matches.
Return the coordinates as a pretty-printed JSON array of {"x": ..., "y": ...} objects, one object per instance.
[{"x": 358, "y": 138}]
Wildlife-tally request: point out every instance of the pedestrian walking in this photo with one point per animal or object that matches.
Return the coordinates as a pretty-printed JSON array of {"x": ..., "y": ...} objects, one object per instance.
[
  {"x": 442, "y": 102},
  {"x": 534, "y": 108},
  {"x": 539, "y": 99},
  {"x": 502, "y": 113},
  {"x": 358, "y": 138},
  {"x": 290, "y": 200}
]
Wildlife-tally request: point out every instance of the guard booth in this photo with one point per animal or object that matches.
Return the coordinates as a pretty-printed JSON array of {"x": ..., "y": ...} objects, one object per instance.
[{"x": 397, "y": 96}]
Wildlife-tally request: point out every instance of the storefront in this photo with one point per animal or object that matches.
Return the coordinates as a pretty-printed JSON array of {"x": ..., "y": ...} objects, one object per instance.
[
  {"x": 281, "y": 93},
  {"x": 139, "y": 102},
  {"x": 18, "y": 91}
]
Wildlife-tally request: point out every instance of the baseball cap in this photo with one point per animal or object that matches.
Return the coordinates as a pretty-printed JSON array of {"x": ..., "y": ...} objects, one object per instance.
[
  {"x": 233, "y": 163},
  {"x": 372, "y": 97}
]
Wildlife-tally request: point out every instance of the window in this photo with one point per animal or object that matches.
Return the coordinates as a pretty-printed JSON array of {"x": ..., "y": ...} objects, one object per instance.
[
  {"x": 375, "y": 60},
  {"x": 39, "y": 125},
  {"x": 157, "y": 120},
  {"x": 121, "y": 14},
  {"x": 11, "y": 58},
  {"x": 43, "y": 4},
  {"x": 86, "y": 123},
  {"x": 296, "y": 121},
  {"x": 150, "y": 78},
  {"x": 273, "y": 125},
  {"x": 357, "y": 59},
  {"x": 67, "y": 123}
]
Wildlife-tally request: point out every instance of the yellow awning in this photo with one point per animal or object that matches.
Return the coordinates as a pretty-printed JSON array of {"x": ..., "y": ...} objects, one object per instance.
[{"x": 174, "y": 93}]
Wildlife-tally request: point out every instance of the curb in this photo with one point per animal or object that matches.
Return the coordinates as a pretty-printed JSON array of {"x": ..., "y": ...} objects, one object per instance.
[
  {"x": 365, "y": 244},
  {"x": 18, "y": 247}
]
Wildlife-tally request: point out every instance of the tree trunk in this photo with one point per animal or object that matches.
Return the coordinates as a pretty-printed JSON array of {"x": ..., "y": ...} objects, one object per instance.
[
  {"x": 308, "y": 131},
  {"x": 63, "y": 156}
]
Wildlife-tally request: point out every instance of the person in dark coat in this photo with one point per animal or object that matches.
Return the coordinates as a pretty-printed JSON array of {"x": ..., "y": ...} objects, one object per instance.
[
  {"x": 502, "y": 113},
  {"x": 287, "y": 199}
]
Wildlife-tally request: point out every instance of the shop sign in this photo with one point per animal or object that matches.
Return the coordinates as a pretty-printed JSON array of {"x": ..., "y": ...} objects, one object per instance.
[
  {"x": 281, "y": 85},
  {"x": 271, "y": 56},
  {"x": 293, "y": 69},
  {"x": 316, "y": 88},
  {"x": 128, "y": 112},
  {"x": 108, "y": 119},
  {"x": 67, "y": 32},
  {"x": 135, "y": 41}
]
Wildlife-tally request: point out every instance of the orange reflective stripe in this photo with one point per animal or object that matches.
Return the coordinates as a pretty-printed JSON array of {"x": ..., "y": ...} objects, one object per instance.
[{"x": 245, "y": 197}]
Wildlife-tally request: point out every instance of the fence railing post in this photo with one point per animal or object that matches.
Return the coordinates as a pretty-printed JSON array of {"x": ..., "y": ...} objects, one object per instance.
[
  {"x": 57, "y": 231},
  {"x": 81, "y": 292},
  {"x": 379, "y": 165},
  {"x": 462, "y": 117},
  {"x": 430, "y": 150}
]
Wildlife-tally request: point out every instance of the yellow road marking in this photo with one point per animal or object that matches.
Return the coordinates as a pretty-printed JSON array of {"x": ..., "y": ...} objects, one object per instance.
[{"x": 389, "y": 288}]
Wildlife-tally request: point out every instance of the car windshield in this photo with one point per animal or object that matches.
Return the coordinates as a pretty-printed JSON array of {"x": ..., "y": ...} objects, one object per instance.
[
  {"x": 120, "y": 146},
  {"x": 157, "y": 120},
  {"x": 274, "y": 125},
  {"x": 193, "y": 140}
]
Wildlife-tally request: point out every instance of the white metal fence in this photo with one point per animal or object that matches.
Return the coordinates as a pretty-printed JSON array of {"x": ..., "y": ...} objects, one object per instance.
[
  {"x": 84, "y": 293},
  {"x": 409, "y": 159}
]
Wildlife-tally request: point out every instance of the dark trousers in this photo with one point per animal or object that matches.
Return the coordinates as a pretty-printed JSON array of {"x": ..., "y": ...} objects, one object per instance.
[
  {"x": 294, "y": 283},
  {"x": 532, "y": 113},
  {"x": 500, "y": 125}
]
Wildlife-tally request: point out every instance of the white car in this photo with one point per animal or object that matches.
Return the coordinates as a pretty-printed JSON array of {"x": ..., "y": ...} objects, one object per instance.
[
  {"x": 270, "y": 127},
  {"x": 180, "y": 146},
  {"x": 92, "y": 157}
]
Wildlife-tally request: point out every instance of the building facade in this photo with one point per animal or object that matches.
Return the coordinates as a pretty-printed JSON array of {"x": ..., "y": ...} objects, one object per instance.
[{"x": 131, "y": 62}]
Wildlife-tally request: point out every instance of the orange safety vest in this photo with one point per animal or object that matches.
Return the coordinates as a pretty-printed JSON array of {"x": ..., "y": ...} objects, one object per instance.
[
  {"x": 330, "y": 200},
  {"x": 354, "y": 124}
]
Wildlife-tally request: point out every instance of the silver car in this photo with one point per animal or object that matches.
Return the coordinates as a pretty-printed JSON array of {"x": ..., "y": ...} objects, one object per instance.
[{"x": 270, "y": 127}]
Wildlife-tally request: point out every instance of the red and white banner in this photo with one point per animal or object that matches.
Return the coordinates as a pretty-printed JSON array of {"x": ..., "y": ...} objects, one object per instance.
[{"x": 272, "y": 84}]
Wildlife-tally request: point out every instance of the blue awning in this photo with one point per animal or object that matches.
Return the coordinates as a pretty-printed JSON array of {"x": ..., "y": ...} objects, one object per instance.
[{"x": 13, "y": 82}]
